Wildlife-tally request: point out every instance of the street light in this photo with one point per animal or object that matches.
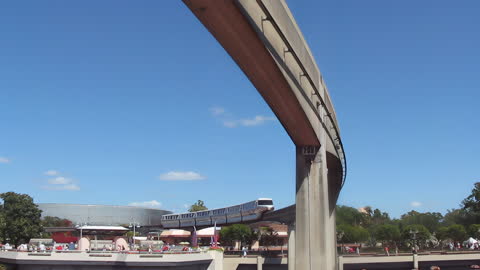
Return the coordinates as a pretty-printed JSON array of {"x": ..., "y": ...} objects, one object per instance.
[
  {"x": 134, "y": 225},
  {"x": 414, "y": 233},
  {"x": 81, "y": 228}
]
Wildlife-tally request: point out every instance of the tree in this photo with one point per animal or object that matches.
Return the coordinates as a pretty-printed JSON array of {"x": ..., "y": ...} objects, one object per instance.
[
  {"x": 378, "y": 217},
  {"x": 457, "y": 233},
  {"x": 351, "y": 234},
  {"x": 198, "y": 206},
  {"x": 236, "y": 232},
  {"x": 2, "y": 226},
  {"x": 387, "y": 233},
  {"x": 50, "y": 221},
  {"x": 471, "y": 204},
  {"x": 442, "y": 233},
  {"x": 267, "y": 236},
  {"x": 22, "y": 218},
  {"x": 416, "y": 234},
  {"x": 457, "y": 216},
  {"x": 431, "y": 220},
  {"x": 474, "y": 230},
  {"x": 349, "y": 215}
]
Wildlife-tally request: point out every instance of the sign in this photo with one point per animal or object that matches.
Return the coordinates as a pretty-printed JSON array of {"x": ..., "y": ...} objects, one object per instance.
[{"x": 310, "y": 150}]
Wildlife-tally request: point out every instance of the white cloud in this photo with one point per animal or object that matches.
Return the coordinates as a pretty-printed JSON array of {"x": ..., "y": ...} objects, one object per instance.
[
  {"x": 60, "y": 181},
  {"x": 415, "y": 204},
  {"x": 257, "y": 120},
  {"x": 51, "y": 173},
  {"x": 150, "y": 204},
  {"x": 4, "y": 160},
  {"x": 230, "y": 122},
  {"x": 69, "y": 187},
  {"x": 181, "y": 176},
  {"x": 216, "y": 111}
]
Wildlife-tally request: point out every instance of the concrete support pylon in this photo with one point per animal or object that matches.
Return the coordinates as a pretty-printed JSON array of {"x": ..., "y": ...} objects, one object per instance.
[
  {"x": 315, "y": 237},
  {"x": 291, "y": 246}
]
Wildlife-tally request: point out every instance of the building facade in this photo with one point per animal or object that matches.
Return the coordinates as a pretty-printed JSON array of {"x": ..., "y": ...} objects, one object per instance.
[{"x": 81, "y": 214}]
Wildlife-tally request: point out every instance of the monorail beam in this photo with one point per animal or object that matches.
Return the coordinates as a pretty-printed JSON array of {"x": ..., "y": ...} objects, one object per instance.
[
  {"x": 263, "y": 39},
  {"x": 233, "y": 31}
]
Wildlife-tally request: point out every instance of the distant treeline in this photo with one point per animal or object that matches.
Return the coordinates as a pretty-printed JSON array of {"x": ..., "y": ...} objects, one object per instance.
[{"x": 430, "y": 229}]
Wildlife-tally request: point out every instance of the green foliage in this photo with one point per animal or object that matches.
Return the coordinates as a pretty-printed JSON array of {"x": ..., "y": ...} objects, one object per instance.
[
  {"x": 430, "y": 220},
  {"x": 2, "y": 225},
  {"x": 457, "y": 233},
  {"x": 474, "y": 230},
  {"x": 130, "y": 234},
  {"x": 349, "y": 215},
  {"x": 351, "y": 234},
  {"x": 378, "y": 217},
  {"x": 416, "y": 232},
  {"x": 455, "y": 216},
  {"x": 442, "y": 233},
  {"x": 471, "y": 206},
  {"x": 21, "y": 218},
  {"x": 472, "y": 202},
  {"x": 198, "y": 206},
  {"x": 267, "y": 236},
  {"x": 236, "y": 232},
  {"x": 49, "y": 221},
  {"x": 387, "y": 233}
]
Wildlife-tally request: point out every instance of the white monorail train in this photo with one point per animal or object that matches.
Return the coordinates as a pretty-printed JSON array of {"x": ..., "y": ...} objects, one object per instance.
[{"x": 238, "y": 213}]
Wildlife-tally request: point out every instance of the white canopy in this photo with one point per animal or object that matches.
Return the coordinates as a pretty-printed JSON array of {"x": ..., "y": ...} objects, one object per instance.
[
  {"x": 471, "y": 241},
  {"x": 103, "y": 228}
]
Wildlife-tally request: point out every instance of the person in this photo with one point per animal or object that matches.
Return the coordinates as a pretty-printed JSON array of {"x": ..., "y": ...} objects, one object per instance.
[
  {"x": 244, "y": 251},
  {"x": 71, "y": 246},
  {"x": 387, "y": 251},
  {"x": 42, "y": 247}
]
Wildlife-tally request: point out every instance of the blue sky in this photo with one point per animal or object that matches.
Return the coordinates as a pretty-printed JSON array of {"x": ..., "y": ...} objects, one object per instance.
[{"x": 112, "y": 102}]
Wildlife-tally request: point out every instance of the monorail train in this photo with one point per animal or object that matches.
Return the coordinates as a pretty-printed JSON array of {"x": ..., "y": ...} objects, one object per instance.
[{"x": 234, "y": 214}]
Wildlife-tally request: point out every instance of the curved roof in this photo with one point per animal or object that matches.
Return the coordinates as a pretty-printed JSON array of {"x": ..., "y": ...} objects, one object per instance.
[{"x": 101, "y": 215}]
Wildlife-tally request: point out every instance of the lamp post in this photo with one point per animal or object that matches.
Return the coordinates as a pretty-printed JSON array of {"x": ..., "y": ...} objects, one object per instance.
[
  {"x": 340, "y": 235},
  {"x": 134, "y": 225},
  {"x": 414, "y": 233},
  {"x": 80, "y": 226}
]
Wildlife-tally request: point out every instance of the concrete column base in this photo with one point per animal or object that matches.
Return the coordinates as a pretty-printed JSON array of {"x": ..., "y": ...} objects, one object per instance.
[{"x": 315, "y": 238}]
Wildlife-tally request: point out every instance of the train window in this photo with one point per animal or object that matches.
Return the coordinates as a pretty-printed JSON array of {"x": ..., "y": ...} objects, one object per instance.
[{"x": 265, "y": 202}]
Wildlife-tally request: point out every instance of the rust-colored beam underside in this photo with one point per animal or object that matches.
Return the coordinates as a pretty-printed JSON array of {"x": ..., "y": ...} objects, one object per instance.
[{"x": 232, "y": 30}]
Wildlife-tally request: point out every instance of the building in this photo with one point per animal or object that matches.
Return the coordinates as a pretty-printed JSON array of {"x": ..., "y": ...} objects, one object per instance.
[{"x": 81, "y": 214}]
